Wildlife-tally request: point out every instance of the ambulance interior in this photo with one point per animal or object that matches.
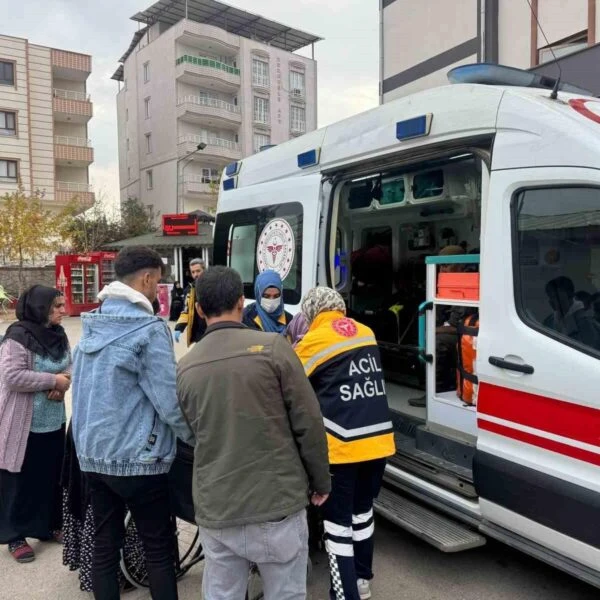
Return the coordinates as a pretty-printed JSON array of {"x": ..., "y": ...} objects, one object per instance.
[{"x": 386, "y": 224}]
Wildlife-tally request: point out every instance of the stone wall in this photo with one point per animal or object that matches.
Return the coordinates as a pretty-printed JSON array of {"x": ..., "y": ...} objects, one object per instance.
[{"x": 9, "y": 277}]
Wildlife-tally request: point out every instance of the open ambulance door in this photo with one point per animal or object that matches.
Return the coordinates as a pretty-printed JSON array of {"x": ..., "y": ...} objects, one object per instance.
[
  {"x": 537, "y": 464},
  {"x": 274, "y": 226}
]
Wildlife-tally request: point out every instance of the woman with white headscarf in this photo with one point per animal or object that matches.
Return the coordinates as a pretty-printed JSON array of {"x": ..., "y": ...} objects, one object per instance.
[{"x": 341, "y": 359}]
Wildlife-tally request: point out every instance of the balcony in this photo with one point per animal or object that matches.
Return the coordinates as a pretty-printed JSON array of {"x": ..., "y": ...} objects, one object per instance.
[
  {"x": 215, "y": 147},
  {"x": 71, "y": 107},
  {"x": 197, "y": 70},
  {"x": 67, "y": 191},
  {"x": 198, "y": 184},
  {"x": 73, "y": 151},
  {"x": 208, "y": 111},
  {"x": 71, "y": 65}
]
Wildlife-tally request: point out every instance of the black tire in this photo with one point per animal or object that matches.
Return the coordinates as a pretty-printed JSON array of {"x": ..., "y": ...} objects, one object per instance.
[{"x": 133, "y": 561}]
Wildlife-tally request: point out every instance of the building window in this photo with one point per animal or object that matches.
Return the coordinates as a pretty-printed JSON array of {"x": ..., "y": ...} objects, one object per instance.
[
  {"x": 7, "y": 73},
  {"x": 127, "y": 143},
  {"x": 129, "y": 173},
  {"x": 127, "y": 114},
  {"x": 149, "y": 180},
  {"x": 8, "y": 123},
  {"x": 8, "y": 170},
  {"x": 298, "y": 119},
  {"x": 260, "y": 72},
  {"x": 146, "y": 72},
  {"x": 563, "y": 47},
  {"x": 260, "y": 140},
  {"x": 148, "y": 143},
  {"x": 297, "y": 84},
  {"x": 556, "y": 233},
  {"x": 147, "y": 107},
  {"x": 261, "y": 110},
  {"x": 210, "y": 175}
]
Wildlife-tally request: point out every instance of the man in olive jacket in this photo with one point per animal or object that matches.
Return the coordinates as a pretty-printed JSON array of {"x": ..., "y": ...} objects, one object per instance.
[{"x": 260, "y": 452}]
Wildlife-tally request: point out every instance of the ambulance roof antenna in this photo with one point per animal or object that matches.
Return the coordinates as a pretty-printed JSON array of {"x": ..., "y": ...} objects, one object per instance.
[{"x": 554, "y": 93}]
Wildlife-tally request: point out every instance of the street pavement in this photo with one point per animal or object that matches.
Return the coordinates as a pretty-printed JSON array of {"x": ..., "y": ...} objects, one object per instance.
[{"x": 405, "y": 567}]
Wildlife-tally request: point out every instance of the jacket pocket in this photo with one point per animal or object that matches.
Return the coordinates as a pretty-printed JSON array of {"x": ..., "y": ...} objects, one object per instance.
[{"x": 152, "y": 442}]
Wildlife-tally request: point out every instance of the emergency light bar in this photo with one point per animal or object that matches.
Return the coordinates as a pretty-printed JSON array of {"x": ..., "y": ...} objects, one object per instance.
[
  {"x": 413, "y": 128},
  {"x": 491, "y": 74}
]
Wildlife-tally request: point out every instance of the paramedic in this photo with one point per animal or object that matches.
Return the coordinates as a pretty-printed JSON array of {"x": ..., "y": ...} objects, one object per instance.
[
  {"x": 268, "y": 312},
  {"x": 341, "y": 360},
  {"x": 260, "y": 448},
  {"x": 189, "y": 319}
]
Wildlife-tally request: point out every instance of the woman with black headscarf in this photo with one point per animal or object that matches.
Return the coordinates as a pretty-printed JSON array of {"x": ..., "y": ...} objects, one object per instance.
[{"x": 35, "y": 363}]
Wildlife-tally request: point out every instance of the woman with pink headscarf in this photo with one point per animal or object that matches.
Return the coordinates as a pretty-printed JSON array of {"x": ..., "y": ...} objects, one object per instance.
[{"x": 297, "y": 329}]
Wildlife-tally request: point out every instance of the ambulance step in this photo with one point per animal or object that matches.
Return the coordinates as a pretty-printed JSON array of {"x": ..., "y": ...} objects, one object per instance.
[
  {"x": 432, "y": 468},
  {"x": 439, "y": 531}
]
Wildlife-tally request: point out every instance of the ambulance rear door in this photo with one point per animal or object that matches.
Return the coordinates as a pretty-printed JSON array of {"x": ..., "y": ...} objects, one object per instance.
[
  {"x": 272, "y": 225},
  {"x": 537, "y": 465}
]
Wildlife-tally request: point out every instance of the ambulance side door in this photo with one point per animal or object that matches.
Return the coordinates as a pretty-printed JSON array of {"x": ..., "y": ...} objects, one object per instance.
[{"x": 537, "y": 465}]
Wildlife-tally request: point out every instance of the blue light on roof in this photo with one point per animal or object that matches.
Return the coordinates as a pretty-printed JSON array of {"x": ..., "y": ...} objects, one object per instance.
[
  {"x": 309, "y": 159},
  {"x": 413, "y": 128},
  {"x": 233, "y": 168},
  {"x": 492, "y": 74},
  {"x": 229, "y": 184}
]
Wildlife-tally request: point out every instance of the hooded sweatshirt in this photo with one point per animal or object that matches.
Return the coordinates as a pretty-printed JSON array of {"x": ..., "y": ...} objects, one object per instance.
[{"x": 125, "y": 411}]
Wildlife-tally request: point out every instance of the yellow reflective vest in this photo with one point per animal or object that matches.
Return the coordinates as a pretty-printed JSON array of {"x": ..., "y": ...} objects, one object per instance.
[{"x": 342, "y": 362}]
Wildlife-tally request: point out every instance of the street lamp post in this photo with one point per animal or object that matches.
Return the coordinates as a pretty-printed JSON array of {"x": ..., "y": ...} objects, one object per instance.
[{"x": 178, "y": 176}]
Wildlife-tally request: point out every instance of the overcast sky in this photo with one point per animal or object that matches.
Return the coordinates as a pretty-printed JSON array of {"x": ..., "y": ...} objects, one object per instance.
[{"x": 348, "y": 59}]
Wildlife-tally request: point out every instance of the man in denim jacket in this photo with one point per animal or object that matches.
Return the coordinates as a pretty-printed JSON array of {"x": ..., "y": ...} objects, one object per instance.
[{"x": 125, "y": 422}]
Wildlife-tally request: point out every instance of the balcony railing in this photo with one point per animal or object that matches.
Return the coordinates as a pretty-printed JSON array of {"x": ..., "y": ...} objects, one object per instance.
[
  {"x": 71, "y": 95},
  {"x": 66, "y": 140},
  {"x": 211, "y": 141},
  {"x": 210, "y": 102},
  {"x": 201, "y": 61},
  {"x": 70, "y": 186},
  {"x": 200, "y": 179}
]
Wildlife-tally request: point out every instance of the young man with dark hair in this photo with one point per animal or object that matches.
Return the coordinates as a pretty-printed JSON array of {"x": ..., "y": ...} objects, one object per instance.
[
  {"x": 189, "y": 320},
  {"x": 260, "y": 452},
  {"x": 125, "y": 422}
]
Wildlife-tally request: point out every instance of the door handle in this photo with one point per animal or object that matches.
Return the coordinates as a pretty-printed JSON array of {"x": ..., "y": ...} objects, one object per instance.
[{"x": 496, "y": 361}]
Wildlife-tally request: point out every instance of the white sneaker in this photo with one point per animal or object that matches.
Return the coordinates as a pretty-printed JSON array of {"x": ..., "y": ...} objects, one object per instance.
[{"x": 364, "y": 589}]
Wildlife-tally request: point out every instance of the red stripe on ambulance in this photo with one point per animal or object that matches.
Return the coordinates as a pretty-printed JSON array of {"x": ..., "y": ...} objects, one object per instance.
[
  {"x": 540, "y": 442},
  {"x": 580, "y": 423}
]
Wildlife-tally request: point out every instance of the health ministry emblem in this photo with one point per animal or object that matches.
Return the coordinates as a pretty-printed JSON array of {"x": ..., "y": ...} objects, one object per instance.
[{"x": 276, "y": 248}]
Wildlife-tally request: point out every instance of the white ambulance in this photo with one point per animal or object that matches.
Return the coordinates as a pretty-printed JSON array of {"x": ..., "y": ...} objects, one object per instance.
[{"x": 509, "y": 171}]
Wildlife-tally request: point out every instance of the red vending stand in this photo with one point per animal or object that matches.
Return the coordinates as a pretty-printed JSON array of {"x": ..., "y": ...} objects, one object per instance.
[{"x": 81, "y": 277}]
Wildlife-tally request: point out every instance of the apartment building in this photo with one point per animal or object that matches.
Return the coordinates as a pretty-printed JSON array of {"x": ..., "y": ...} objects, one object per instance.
[
  {"x": 204, "y": 84},
  {"x": 422, "y": 41},
  {"x": 44, "y": 116}
]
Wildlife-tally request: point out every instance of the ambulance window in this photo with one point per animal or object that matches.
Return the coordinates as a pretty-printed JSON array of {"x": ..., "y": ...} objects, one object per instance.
[
  {"x": 269, "y": 235},
  {"x": 392, "y": 191},
  {"x": 242, "y": 244},
  {"x": 557, "y": 263},
  {"x": 429, "y": 184}
]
